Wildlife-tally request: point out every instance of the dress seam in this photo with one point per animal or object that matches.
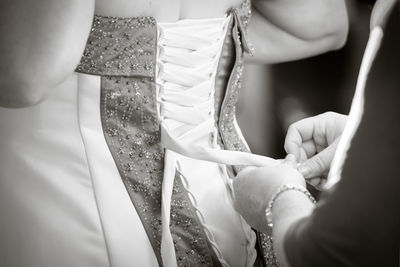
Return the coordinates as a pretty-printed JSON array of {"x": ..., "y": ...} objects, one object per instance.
[{"x": 90, "y": 172}]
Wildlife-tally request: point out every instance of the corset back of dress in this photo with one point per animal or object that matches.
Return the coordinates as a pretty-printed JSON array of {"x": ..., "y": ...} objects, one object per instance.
[{"x": 123, "y": 51}]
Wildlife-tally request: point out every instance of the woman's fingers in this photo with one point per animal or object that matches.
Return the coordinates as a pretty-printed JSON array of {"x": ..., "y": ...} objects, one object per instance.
[
  {"x": 291, "y": 160},
  {"x": 320, "y": 163},
  {"x": 298, "y": 133},
  {"x": 309, "y": 148}
]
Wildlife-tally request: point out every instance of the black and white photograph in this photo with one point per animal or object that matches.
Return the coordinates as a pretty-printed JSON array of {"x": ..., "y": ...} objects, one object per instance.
[{"x": 210, "y": 133}]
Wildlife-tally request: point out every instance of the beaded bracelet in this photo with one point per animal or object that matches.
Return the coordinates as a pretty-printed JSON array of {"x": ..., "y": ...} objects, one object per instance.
[{"x": 281, "y": 189}]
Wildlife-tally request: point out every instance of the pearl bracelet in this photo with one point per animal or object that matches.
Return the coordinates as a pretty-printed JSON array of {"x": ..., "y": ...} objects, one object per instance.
[{"x": 281, "y": 189}]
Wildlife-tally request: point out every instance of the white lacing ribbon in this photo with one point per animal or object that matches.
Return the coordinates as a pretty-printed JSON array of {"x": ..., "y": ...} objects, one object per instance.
[{"x": 188, "y": 54}]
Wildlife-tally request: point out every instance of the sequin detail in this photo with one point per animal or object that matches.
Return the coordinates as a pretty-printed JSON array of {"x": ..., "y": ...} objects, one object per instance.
[
  {"x": 132, "y": 135},
  {"x": 244, "y": 12},
  {"x": 120, "y": 46},
  {"x": 230, "y": 134},
  {"x": 243, "y": 15},
  {"x": 192, "y": 248},
  {"x": 268, "y": 249},
  {"x": 225, "y": 65}
]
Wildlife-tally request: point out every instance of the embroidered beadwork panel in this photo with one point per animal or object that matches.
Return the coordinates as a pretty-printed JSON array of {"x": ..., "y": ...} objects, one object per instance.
[{"x": 122, "y": 51}]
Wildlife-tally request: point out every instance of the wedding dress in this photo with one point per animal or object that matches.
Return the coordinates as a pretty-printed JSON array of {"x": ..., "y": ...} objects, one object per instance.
[{"x": 125, "y": 163}]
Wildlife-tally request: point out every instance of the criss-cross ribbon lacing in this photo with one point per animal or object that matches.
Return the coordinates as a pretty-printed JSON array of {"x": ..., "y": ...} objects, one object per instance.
[{"x": 187, "y": 59}]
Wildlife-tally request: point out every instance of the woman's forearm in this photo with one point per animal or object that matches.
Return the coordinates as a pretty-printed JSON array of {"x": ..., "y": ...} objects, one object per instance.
[
  {"x": 288, "y": 208},
  {"x": 284, "y": 30},
  {"x": 42, "y": 42}
]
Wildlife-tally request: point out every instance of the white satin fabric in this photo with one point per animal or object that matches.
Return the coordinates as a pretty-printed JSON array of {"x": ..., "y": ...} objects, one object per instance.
[
  {"x": 48, "y": 209},
  {"x": 62, "y": 200}
]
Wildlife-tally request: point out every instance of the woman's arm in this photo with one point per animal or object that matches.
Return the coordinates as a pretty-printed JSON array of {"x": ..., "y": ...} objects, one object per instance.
[
  {"x": 357, "y": 222},
  {"x": 289, "y": 208},
  {"x": 41, "y": 44},
  {"x": 284, "y": 30}
]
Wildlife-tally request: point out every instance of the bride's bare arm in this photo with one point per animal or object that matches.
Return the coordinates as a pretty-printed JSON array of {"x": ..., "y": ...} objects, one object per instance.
[
  {"x": 41, "y": 44},
  {"x": 284, "y": 30}
]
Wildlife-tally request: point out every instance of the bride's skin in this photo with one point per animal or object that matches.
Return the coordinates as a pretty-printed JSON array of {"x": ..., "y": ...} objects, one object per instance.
[{"x": 42, "y": 41}]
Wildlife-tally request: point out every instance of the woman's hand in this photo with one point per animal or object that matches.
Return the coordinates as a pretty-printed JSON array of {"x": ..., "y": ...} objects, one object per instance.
[
  {"x": 253, "y": 188},
  {"x": 314, "y": 141}
]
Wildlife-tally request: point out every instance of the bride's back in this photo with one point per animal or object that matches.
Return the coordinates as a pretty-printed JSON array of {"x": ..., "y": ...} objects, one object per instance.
[{"x": 171, "y": 10}]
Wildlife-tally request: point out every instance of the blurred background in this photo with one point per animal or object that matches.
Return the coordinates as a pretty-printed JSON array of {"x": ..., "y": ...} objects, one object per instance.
[{"x": 274, "y": 96}]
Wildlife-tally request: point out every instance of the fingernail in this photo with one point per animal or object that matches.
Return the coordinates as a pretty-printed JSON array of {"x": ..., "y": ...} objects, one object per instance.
[{"x": 304, "y": 170}]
